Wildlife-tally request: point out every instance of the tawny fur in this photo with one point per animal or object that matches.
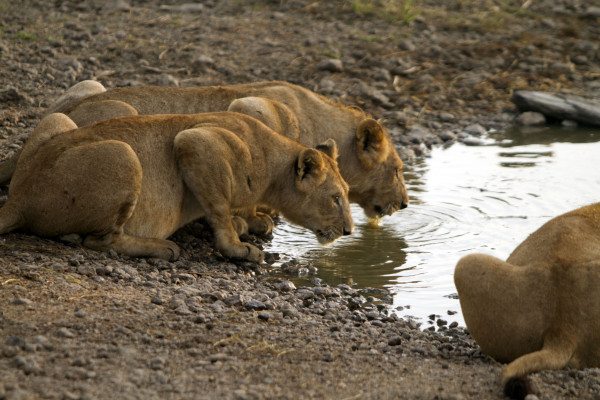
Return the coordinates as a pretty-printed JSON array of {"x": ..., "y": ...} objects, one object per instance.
[
  {"x": 367, "y": 160},
  {"x": 128, "y": 183},
  {"x": 541, "y": 308}
]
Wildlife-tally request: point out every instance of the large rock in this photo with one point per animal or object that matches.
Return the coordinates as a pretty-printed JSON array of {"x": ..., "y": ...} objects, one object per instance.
[{"x": 559, "y": 106}]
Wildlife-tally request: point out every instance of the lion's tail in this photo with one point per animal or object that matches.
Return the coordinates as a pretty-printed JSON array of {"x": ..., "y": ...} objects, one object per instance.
[
  {"x": 73, "y": 96},
  {"x": 551, "y": 356},
  {"x": 10, "y": 218}
]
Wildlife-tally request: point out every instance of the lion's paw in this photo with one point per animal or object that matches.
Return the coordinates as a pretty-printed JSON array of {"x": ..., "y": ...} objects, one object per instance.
[
  {"x": 254, "y": 254},
  {"x": 260, "y": 224},
  {"x": 239, "y": 225},
  {"x": 245, "y": 251}
]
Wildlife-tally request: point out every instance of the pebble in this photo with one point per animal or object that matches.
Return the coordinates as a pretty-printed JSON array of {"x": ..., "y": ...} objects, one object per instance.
[
  {"x": 407, "y": 45},
  {"x": 285, "y": 286},
  {"x": 331, "y": 65},
  {"x": 218, "y": 357},
  {"x": 447, "y": 136},
  {"x": 80, "y": 313},
  {"x": 395, "y": 341},
  {"x": 475, "y": 130},
  {"x": 263, "y": 315},
  {"x": 22, "y": 301},
  {"x": 157, "y": 363},
  {"x": 255, "y": 305},
  {"x": 15, "y": 96},
  {"x": 65, "y": 333},
  {"x": 531, "y": 118},
  {"x": 569, "y": 124},
  {"x": 167, "y": 80}
]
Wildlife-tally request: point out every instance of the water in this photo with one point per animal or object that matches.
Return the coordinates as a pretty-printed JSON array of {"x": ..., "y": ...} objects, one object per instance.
[{"x": 463, "y": 199}]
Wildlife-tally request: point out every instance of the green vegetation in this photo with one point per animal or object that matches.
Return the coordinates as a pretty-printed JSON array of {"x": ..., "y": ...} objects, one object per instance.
[
  {"x": 25, "y": 35},
  {"x": 392, "y": 10}
]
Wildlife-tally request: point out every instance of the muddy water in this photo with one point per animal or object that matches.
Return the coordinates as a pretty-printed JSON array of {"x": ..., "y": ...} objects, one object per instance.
[{"x": 464, "y": 199}]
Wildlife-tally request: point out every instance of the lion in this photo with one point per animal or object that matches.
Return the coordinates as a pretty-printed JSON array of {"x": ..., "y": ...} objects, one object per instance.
[
  {"x": 368, "y": 159},
  {"x": 541, "y": 308},
  {"x": 128, "y": 183}
]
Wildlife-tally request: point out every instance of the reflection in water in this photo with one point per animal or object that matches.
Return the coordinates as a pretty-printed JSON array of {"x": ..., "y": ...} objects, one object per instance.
[
  {"x": 367, "y": 259},
  {"x": 463, "y": 199}
]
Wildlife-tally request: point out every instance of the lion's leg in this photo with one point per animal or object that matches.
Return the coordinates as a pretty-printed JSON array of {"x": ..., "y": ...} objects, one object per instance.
[
  {"x": 76, "y": 93},
  {"x": 239, "y": 225},
  {"x": 133, "y": 246},
  {"x": 88, "y": 113},
  {"x": 190, "y": 146},
  {"x": 258, "y": 222}
]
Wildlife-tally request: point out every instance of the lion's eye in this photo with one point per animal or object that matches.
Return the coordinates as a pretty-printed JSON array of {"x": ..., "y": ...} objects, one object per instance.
[{"x": 337, "y": 200}]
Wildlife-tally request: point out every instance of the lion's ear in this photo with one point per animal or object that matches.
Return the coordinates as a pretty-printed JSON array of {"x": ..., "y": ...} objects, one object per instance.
[
  {"x": 329, "y": 147},
  {"x": 309, "y": 168},
  {"x": 371, "y": 145}
]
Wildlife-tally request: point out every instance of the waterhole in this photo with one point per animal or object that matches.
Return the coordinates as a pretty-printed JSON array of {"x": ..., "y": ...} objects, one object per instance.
[{"x": 464, "y": 199}]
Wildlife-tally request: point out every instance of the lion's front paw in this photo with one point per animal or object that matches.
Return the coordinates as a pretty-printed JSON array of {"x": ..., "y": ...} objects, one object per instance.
[
  {"x": 239, "y": 225},
  {"x": 260, "y": 224},
  {"x": 254, "y": 254},
  {"x": 244, "y": 251}
]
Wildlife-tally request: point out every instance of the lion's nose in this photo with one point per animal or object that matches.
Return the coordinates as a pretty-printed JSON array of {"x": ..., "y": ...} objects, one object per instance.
[
  {"x": 347, "y": 231},
  {"x": 403, "y": 205}
]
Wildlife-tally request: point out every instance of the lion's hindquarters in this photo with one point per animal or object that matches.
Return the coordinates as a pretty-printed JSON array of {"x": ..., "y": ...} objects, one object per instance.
[
  {"x": 91, "y": 188},
  {"x": 504, "y": 306}
]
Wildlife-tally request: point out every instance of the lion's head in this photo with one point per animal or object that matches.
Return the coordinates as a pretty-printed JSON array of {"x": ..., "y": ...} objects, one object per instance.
[
  {"x": 376, "y": 181},
  {"x": 320, "y": 198}
]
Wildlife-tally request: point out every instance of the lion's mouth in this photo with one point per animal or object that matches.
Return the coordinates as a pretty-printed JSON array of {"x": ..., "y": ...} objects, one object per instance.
[
  {"x": 328, "y": 235},
  {"x": 387, "y": 210}
]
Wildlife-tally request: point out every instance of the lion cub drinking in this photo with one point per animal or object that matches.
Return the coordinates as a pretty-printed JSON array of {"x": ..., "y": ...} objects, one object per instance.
[
  {"x": 541, "y": 308},
  {"x": 127, "y": 184}
]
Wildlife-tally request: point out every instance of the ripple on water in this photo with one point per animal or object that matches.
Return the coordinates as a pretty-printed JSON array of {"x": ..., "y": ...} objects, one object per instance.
[{"x": 464, "y": 199}]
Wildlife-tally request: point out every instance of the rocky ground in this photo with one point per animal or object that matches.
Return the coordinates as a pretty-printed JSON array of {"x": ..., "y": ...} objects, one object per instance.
[{"x": 77, "y": 324}]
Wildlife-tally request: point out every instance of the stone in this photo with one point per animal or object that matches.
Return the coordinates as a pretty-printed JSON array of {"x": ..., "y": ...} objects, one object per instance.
[
  {"x": 531, "y": 118},
  {"x": 285, "y": 286},
  {"x": 475, "y": 130},
  {"x": 15, "y": 96},
  {"x": 65, "y": 333},
  {"x": 255, "y": 305},
  {"x": 407, "y": 45},
  {"x": 167, "y": 80},
  {"x": 331, "y": 65},
  {"x": 447, "y": 136},
  {"x": 558, "y": 106},
  {"x": 395, "y": 341},
  {"x": 375, "y": 95},
  {"x": 184, "y": 8},
  {"x": 592, "y": 12},
  {"x": 22, "y": 301},
  {"x": 263, "y": 315}
]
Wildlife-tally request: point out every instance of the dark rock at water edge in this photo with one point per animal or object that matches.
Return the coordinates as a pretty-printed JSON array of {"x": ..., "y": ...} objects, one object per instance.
[{"x": 559, "y": 106}]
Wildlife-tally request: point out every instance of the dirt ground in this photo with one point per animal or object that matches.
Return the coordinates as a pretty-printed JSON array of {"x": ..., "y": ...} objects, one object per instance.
[{"x": 78, "y": 324}]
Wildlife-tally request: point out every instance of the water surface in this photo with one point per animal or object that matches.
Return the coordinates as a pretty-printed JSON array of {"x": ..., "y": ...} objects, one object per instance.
[{"x": 463, "y": 199}]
